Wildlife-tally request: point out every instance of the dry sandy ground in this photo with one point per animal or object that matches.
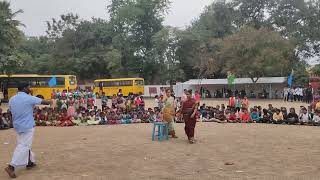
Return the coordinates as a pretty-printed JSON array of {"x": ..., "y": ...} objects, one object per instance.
[{"x": 258, "y": 151}]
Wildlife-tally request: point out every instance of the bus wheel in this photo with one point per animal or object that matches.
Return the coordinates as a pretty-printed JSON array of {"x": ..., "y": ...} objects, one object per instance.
[{"x": 40, "y": 96}]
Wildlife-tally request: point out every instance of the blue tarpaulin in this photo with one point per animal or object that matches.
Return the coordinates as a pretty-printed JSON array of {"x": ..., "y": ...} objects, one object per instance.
[{"x": 52, "y": 82}]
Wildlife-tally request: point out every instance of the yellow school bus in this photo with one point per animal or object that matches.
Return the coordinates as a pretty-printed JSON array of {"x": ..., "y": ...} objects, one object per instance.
[
  {"x": 39, "y": 84},
  {"x": 112, "y": 86}
]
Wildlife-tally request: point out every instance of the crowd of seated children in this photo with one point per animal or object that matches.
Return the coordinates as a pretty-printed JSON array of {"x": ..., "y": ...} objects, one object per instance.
[
  {"x": 270, "y": 114},
  {"x": 76, "y": 110}
]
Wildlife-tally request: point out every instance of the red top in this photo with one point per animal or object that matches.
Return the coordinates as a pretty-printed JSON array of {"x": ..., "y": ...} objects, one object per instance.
[
  {"x": 245, "y": 116},
  {"x": 65, "y": 118},
  {"x": 232, "y": 117},
  {"x": 232, "y": 101}
]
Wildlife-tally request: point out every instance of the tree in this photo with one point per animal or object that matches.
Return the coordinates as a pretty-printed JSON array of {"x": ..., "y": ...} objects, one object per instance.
[
  {"x": 165, "y": 49},
  {"x": 134, "y": 24},
  {"x": 315, "y": 70},
  {"x": 9, "y": 38},
  {"x": 56, "y": 28},
  {"x": 257, "y": 53}
]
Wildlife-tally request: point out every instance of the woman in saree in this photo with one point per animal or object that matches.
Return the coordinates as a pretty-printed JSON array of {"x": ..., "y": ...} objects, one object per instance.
[
  {"x": 189, "y": 110},
  {"x": 168, "y": 112}
]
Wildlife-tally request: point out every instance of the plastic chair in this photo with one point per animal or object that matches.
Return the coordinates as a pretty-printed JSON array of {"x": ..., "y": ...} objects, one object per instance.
[{"x": 160, "y": 130}]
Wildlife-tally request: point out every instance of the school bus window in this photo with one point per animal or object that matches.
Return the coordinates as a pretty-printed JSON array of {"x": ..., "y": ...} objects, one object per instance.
[
  {"x": 60, "y": 81},
  {"x": 106, "y": 84},
  {"x": 139, "y": 82},
  {"x": 72, "y": 80},
  {"x": 97, "y": 84}
]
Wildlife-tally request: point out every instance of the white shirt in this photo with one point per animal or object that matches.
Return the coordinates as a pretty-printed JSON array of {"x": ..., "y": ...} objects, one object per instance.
[
  {"x": 156, "y": 102},
  {"x": 316, "y": 118},
  {"x": 303, "y": 117}
]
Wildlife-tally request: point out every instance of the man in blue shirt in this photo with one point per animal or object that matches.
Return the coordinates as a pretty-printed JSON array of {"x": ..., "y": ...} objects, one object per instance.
[{"x": 21, "y": 107}]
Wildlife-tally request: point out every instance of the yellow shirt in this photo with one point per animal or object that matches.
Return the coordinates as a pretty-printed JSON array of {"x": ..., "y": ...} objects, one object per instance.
[
  {"x": 277, "y": 117},
  {"x": 318, "y": 105}
]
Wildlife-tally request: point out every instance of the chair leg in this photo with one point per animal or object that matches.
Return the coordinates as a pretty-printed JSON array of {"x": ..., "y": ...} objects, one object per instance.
[
  {"x": 153, "y": 131},
  {"x": 159, "y": 133},
  {"x": 167, "y": 132}
]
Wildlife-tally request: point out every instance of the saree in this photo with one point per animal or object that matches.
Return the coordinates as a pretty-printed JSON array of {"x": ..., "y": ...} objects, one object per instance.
[
  {"x": 190, "y": 122},
  {"x": 168, "y": 112}
]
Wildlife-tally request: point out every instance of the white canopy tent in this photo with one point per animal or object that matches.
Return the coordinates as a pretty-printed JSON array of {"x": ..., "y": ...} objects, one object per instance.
[{"x": 271, "y": 84}]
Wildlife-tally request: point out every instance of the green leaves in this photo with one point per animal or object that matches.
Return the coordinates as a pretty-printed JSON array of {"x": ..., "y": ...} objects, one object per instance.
[{"x": 10, "y": 37}]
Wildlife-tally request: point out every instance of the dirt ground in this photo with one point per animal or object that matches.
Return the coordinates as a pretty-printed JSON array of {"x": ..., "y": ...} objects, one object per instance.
[{"x": 257, "y": 152}]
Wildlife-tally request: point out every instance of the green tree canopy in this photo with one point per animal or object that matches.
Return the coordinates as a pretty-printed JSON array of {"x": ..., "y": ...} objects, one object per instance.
[{"x": 10, "y": 37}]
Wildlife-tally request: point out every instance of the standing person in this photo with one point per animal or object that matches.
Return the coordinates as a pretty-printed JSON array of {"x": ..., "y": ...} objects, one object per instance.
[
  {"x": 309, "y": 95},
  {"x": 184, "y": 96},
  {"x": 168, "y": 111},
  {"x": 21, "y": 107},
  {"x": 285, "y": 94},
  {"x": 156, "y": 101},
  {"x": 245, "y": 102},
  {"x": 104, "y": 100},
  {"x": 189, "y": 110},
  {"x": 238, "y": 104},
  {"x": 197, "y": 97},
  {"x": 232, "y": 101},
  {"x": 119, "y": 93}
]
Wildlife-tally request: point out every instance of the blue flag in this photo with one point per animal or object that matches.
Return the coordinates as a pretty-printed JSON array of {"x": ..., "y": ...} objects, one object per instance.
[
  {"x": 290, "y": 79},
  {"x": 52, "y": 82}
]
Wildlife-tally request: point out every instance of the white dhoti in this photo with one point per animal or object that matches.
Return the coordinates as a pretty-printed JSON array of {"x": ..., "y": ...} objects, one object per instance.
[{"x": 23, "y": 153}]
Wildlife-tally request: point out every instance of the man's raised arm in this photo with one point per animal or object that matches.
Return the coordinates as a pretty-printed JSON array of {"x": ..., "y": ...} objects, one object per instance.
[{"x": 46, "y": 102}]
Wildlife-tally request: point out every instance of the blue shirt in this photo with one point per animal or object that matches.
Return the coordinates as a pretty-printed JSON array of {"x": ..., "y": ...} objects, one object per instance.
[{"x": 21, "y": 107}]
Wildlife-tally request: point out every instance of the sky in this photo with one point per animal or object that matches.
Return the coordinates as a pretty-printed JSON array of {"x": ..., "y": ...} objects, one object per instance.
[{"x": 37, "y": 12}]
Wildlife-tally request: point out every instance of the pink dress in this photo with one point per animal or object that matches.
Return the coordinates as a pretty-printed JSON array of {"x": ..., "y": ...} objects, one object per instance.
[
  {"x": 71, "y": 111},
  {"x": 197, "y": 97}
]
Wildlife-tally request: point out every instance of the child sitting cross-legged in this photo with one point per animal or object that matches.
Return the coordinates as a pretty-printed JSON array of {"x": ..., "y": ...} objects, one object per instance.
[
  {"x": 303, "y": 117},
  {"x": 245, "y": 116},
  {"x": 103, "y": 118},
  {"x": 255, "y": 116},
  {"x": 316, "y": 118},
  {"x": 93, "y": 119},
  {"x": 265, "y": 118},
  {"x": 232, "y": 116},
  {"x": 292, "y": 117},
  {"x": 277, "y": 117},
  {"x": 64, "y": 119},
  {"x": 219, "y": 116}
]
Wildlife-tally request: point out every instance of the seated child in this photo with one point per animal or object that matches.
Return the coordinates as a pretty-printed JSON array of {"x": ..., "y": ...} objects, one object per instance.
[
  {"x": 310, "y": 114},
  {"x": 254, "y": 116},
  {"x": 52, "y": 120},
  {"x": 37, "y": 117},
  {"x": 277, "y": 117},
  {"x": 303, "y": 117},
  {"x": 111, "y": 116},
  {"x": 219, "y": 116},
  {"x": 245, "y": 116},
  {"x": 103, "y": 118},
  {"x": 284, "y": 113},
  {"x": 77, "y": 117},
  {"x": 93, "y": 119},
  {"x": 3, "y": 123},
  {"x": 232, "y": 117},
  {"x": 265, "y": 118},
  {"x": 316, "y": 118},
  {"x": 292, "y": 117},
  {"x": 64, "y": 119},
  {"x": 44, "y": 117}
]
